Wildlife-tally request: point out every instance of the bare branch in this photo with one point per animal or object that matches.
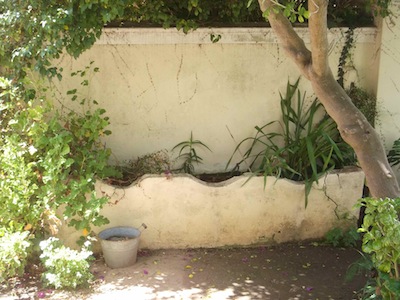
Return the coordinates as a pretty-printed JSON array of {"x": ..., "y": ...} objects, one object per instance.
[
  {"x": 353, "y": 126},
  {"x": 318, "y": 36},
  {"x": 290, "y": 40}
]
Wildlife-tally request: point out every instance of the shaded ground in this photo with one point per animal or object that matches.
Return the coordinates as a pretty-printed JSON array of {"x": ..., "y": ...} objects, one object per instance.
[{"x": 289, "y": 271}]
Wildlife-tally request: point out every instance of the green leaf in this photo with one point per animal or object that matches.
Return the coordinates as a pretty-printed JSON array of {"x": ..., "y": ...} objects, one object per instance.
[
  {"x": 311, "y": 156},
  {"x": 65, "y": 150},
  {"x": 72, "y": 92}
]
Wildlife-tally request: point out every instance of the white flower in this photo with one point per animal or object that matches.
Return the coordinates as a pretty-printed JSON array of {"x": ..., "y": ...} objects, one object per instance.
[{"x": 32, "y": 150}]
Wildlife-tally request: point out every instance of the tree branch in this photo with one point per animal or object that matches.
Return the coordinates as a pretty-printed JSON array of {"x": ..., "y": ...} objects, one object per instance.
[
  {"x": 290, "y": 40},
  {"x": 352, "y": 124},
  {"x": 317, "y": 24}
]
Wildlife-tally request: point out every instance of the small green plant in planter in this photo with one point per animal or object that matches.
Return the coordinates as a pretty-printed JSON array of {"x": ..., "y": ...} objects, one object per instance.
[
  {"x": 381, "y": 240},
  {"x": 188, "y": 154},
  {"x": 306, "y": 149},
  {"x": 153, "y": 163}
]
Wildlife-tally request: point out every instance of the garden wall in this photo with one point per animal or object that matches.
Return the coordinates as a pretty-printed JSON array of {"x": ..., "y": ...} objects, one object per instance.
[
  {"x": 159, "y": 85},
  {"x": 181, "y": 211},
  {"x": 388, "y": 96}
]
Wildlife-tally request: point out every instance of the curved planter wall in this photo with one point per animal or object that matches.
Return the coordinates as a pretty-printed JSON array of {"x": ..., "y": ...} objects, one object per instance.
[{"x": 182, "y": 211}]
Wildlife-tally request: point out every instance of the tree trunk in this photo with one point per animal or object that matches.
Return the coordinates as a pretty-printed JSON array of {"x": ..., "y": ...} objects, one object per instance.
[{"x": 353, "y": 126}]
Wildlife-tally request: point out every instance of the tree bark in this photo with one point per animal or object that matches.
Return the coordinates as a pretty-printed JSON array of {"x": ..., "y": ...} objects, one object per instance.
[{"x": 353, "y": 126}]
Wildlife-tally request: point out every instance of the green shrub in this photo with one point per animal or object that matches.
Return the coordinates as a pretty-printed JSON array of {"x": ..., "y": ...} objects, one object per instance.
[
  {"x": 65, "y": 268},
  {"x": 14, "y": 251},
  {"x": 48, "y": 160},
  {"x": 193, "y": 13},
  {"x": 381, "y": 240},
  {"x": 338, "y": 237}
]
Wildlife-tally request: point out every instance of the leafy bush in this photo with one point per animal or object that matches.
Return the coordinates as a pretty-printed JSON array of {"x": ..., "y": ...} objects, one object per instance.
[
  {"x": 13, "y": 254},
  {"x": 191, "y": 14},
  {"x": 36, "y": 33},
  {"x": 48, "y": 160},
  {"x": 65, "y": 268},
  {"x": 194, "y": 13},
  {"x": 338, "y": 237},
  {"x": 381, "y": 228},
  {"x": 306, "y": 148}
]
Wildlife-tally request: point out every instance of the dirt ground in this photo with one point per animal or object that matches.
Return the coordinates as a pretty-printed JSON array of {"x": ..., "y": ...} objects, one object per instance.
[{"x": 289, "y": 271}]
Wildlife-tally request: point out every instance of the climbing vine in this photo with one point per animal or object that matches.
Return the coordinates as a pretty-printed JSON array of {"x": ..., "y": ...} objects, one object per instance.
[{"x": 348, "y": 44}]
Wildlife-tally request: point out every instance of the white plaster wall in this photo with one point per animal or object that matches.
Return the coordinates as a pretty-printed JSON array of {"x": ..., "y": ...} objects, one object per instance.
[
  {"x": 183, "y": 212},
  {"x": 388, "y": 97},
  {"x": 158, "y": 85}
]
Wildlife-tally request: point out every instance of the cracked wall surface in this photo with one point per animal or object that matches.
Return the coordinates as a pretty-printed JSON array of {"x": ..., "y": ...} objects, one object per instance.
[{"x": 158, "y": 85}]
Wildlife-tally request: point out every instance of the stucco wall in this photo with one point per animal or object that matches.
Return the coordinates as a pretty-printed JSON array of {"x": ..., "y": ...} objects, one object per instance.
[
  {"x": 388, "y": 97},
  {"x": 181, "y": 211},
  {"x": 159, "y": 85}
]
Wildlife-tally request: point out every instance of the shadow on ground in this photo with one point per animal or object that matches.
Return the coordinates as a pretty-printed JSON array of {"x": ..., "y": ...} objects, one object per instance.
[{"x": 289, "y": 271}]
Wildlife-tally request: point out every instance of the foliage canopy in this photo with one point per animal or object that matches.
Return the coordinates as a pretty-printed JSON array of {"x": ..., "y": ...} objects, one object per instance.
[{"x": 38, "y": 31}]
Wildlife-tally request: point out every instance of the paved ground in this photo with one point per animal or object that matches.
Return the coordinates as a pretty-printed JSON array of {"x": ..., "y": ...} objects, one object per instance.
[{"x": 289, "y": 271}]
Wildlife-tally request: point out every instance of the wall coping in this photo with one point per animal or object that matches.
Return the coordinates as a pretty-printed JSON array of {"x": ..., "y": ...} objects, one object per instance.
[
  {"x": 242, "y": 179},
  {"x": 240, "y": 35}
]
